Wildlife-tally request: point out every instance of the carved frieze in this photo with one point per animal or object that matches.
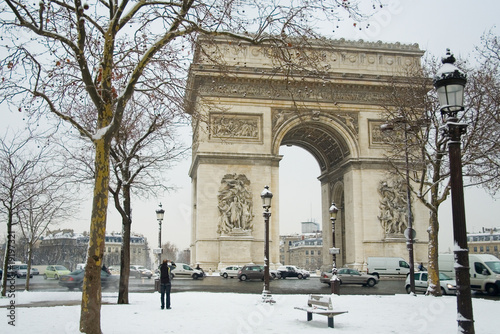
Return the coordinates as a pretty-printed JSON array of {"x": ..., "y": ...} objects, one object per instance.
[
  {"x": 264, "y": 89},
  {"x": 235, "y": 206},
  {"x": 376, "y": 135},
  {"x": 230, "y": 126}
]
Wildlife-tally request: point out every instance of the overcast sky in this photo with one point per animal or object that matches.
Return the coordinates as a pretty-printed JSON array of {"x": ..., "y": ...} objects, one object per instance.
[{"x": 435, "y": 26}]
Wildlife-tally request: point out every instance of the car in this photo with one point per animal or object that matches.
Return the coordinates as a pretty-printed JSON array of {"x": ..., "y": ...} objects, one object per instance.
[
  {"x": 18, "y": 270},
  {"x": 35, "y": 271},
  {"x": 350, "y": 276},
  {"x": 231, "y": 271},
  {"x": 140, "y": 271},
  {"x": 184, "y": 270},
  {"x": 252, "y": 271},
  {"x": 448, "y": 285},
  {"x": 75, "y": 280},
  {"x": 292, "y": 271},
  {"x": 55, "y": 271}
]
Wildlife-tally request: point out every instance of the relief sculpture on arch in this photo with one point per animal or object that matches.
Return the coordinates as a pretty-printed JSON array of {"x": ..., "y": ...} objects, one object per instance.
[{"x": 235, "y": 206}]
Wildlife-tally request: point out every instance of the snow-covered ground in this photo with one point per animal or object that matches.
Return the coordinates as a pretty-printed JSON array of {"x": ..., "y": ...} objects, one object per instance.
[{"x": 233, "y": 313}]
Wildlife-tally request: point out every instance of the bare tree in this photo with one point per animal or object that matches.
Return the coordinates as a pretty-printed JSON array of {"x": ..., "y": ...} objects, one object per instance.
[
  {"x": 70, "y": 56},
  {"x": 27, "y": 176},
  {"x": 483, "y": 103},
  {"x": 170, "y": 251},
  {"x": 49, "y": 201},
  {"x": 144, "y": 146},
  {"x": 414, "y": 107}
]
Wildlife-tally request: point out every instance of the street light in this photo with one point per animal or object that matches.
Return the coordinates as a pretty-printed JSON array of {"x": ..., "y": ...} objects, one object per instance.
[
  {"x": 409, "y": 233},
  {"x": 159, "y": 216},
  {"x": 449, "y": 82},
  {"x": 334, "y": 281},
  {"x": 266, "y": 196}
]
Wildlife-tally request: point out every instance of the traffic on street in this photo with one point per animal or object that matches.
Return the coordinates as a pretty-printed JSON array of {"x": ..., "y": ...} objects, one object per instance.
[{"x": 312, "y": 285}]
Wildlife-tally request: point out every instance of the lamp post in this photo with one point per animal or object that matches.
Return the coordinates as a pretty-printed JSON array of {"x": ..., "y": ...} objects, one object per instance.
[
  {"x": 159, "y": 216},
  {"x": 334, "y": 281},
  {"x": 266, "y": 196},
  {"x": 409, "y": 233},
  {"x": 449, "y": 82}
]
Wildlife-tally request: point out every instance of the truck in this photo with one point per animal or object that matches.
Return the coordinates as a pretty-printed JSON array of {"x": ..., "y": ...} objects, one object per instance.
[
  {"x": 484, "y": 271},
  {"x": 387, "y": 266}
]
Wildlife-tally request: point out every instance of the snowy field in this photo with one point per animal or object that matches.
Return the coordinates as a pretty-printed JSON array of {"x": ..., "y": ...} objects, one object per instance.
[{"x": 194, "y": 312}]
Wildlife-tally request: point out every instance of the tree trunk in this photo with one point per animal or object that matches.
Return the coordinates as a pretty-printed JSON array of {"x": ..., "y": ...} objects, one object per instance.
[
  {"x": 434, "y": 287},
  {"x": 90, "y": 317},
  {"x": 28, "y": 273},
  {"x": 10, "y": 254},
  {"x": 125, "y": 252}
]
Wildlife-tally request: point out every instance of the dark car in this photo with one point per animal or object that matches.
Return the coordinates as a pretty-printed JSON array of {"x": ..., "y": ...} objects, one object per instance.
[
  {"x": 292, "y": 271},
  {"x": 252, "y": 271},
  {"x": 75, "y": 280}
]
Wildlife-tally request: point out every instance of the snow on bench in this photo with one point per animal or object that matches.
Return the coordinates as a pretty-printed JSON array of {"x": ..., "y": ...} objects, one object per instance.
[{"x": 321, "y": 305}]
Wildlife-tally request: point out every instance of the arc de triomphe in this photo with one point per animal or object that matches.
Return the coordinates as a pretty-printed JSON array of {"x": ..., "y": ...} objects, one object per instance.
[{"x": 246, "y": 108}]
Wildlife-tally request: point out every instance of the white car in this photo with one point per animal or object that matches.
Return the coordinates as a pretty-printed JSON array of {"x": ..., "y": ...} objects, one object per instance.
[
  {"x": 140, "y": 271},
  {"x": 448, "y": 285},
  {"x": 183, "y": 270},
  {"x": 231, "y": 271}
]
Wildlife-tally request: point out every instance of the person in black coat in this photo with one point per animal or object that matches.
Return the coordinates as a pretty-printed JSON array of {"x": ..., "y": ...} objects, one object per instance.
[{"x": 166, "y": 282}]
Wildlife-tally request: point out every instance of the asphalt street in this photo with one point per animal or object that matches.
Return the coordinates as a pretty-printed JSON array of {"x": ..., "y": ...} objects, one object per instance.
[{"x": 386, "y": 286}]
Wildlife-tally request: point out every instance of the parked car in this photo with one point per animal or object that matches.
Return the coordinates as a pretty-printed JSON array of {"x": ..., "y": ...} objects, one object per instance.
[
  {"x": 140, "y": 271},
  {"x": 252, "y": 271},
  {"x": 19, "y": 270},
  {"x": 35, "y": 271},
  {"x": 75, "y": 280},
  {"x": 184, "y": 270},
  {"x": 231, "y": 271},
  {"x": 292, "y": 271},
  {"x": 55, "y": 271},
  {"x": 448, "y": 284},
  {"x": 349, "y": 276}
]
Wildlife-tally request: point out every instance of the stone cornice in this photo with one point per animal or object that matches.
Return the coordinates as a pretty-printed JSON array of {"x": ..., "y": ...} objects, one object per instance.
[{"x": 234, "y": 159}]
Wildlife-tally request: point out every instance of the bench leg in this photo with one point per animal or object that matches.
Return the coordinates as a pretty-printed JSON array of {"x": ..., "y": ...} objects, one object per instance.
[
  {"x": 309, "y": 316},
  {"x": 330, "y": 322}
]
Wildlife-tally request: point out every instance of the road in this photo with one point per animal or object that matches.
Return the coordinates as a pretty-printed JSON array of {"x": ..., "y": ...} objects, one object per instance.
[{"x": 386, "y": 286}]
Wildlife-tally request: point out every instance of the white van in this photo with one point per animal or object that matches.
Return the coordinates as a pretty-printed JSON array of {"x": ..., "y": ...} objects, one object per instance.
[
  {"x": 387, "y": 266},
  {"x": 183, "y": 270},
  {"x": 484, "y": 271}
]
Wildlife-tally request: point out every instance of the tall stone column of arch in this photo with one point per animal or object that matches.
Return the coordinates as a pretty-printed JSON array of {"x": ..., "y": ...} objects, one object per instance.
[{"x": 244, "y": 108}]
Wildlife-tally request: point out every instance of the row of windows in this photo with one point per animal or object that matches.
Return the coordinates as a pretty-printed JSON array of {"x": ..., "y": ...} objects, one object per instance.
[
  {"x": 119, "y": 239},
  {"x": 488, "y": 249},
  {"x": 116, "y": 249},
  {"x": 312, "y": 252},
  {"x": 493, "y": 237}
]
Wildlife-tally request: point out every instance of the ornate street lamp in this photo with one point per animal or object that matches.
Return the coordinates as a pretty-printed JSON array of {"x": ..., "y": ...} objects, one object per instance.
[
  {"x": 449, "y": 82},
  {"x": 160, "y": 213},
  {"x": 266, "y": 196},
  {"x": 334, "y": 281}
]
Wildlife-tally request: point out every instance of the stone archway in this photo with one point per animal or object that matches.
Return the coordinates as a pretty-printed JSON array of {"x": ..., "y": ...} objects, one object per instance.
[{"x": 239, "y": 127}]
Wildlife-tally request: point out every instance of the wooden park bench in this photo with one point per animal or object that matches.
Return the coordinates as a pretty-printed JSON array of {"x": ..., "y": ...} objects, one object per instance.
[{"x": 320, "y": 305}]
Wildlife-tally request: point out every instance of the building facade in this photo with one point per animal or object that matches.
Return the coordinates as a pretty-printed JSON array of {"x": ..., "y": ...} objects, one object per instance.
[
  {"x": 485, "y": 242},
  {"x": 68, "y": 248},
  {"x": 304, "y": 250}
]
